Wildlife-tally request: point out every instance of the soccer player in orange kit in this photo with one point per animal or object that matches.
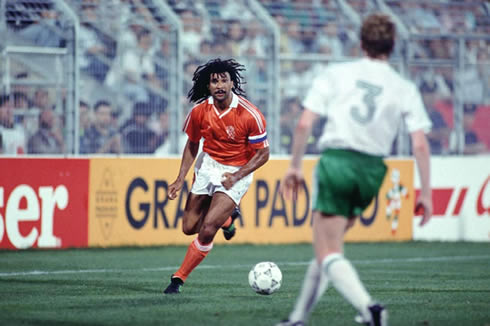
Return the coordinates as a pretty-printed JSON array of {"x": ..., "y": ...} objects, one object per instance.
[{"x": 235, "y": 145}]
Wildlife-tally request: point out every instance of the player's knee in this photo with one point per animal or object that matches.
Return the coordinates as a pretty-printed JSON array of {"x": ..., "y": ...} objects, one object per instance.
[
  {"x": 207, "y": 232},
  {"x": 189, "y": 229},
  {"x": 350, "y": 223}
]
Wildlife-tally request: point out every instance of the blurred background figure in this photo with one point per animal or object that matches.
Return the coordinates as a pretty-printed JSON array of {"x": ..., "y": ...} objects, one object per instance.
[
  {"x": 438, "y": 137},
  {"x": 85, "y": 118},
  {"x": 42, "y": 99},
  {"x": 137, "y": 70},
  {"x": 472, "y": 143},
  {"x": 46, "y": 30},
  {"x": 13, "y": 135},
  {"x": 101, "y": 137},
  {"x": 49, "y": 137},
  {"x": 137, "y": 136},
  {"x": 91, "y": 48},
  {"x": 161, "y": 128}
]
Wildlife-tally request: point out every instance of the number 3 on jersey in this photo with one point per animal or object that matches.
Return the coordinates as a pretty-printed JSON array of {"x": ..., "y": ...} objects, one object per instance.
[{"x": 371, "y": 91}]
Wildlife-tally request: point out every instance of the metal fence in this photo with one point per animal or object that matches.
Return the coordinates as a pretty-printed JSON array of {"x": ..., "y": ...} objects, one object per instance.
[
  {"x": 38, "y": 65},
  {"x": 130, "y": 66},
  {"x": 239, "y": 29},
  {"x": 122, "y": 89}
]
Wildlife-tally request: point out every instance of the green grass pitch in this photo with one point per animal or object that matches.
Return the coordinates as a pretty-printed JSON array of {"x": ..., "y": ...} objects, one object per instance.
[{"x": 421, "y": 283}]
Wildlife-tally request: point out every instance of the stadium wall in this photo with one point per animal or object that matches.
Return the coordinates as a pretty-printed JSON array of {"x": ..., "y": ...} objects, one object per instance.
[
  {"x": 102, "y": 202},
  {"x": 461, "y": 196}
]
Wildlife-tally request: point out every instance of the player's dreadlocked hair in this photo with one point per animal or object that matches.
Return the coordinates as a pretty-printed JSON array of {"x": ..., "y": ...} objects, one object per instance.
[{"x": 200, "y": 91}]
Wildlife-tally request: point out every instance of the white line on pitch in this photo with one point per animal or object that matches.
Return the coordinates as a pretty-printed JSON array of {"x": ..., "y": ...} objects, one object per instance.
[{"x": 237, "y": 266}]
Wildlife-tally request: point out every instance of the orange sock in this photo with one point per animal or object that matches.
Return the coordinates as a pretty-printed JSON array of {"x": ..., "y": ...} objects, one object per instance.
[
  {"x": 196, "y": 252},
  {"x": 227, "y": 222}
]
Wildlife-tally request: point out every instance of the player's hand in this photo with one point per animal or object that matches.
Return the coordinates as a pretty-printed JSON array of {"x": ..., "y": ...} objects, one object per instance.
[
  {"x": 424, "y": 207},
  {"x": 228, "y": 180},
  {"x": 174, "y": 188},
  {"x": 292, "y": 183}
]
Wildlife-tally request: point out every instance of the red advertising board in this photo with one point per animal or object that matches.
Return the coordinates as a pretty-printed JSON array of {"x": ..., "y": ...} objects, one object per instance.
[{"x": 43, "y": 203}]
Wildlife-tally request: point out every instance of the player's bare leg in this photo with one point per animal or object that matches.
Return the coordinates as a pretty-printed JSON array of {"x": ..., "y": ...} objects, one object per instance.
[
  {"x": 220, "y": 209},
  {"x": 196, "y": 208},
  {"x": 328, "y": 242},
  {"x": 217, "y": 211}
]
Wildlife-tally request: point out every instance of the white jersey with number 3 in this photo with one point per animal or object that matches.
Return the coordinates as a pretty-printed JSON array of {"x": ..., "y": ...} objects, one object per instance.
[{"x": 364, "y": 102}]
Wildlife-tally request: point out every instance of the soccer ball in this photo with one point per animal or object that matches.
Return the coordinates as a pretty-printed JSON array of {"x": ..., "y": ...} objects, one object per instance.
[{"x": 265, "y": 278}]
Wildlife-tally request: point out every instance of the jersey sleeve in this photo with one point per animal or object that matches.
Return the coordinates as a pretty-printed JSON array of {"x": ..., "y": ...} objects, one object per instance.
[
  {"x": 320, "y": 91},
  {"x": 257, "y": 130},
  {"x": 415, "y": 115},
  {"x": 192, "y": 124}
]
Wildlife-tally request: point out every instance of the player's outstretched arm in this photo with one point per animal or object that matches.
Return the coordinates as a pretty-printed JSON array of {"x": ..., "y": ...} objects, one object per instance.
[
  {"x": 421, "y": 150},
  {"x": 292, "y": 181},
  {"x": 188, "y": 157}
]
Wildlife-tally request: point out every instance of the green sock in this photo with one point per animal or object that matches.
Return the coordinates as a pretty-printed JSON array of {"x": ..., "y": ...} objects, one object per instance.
[{"x": 230, "y": 228}]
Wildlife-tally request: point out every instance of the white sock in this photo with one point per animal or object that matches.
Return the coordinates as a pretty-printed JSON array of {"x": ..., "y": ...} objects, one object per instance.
[
  {"x": 314, "y": 285},
  {"x": 345, "y": 279}
]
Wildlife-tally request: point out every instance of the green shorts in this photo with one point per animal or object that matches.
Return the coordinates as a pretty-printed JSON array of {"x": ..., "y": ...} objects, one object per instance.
[{"x": 345, "y": 182}]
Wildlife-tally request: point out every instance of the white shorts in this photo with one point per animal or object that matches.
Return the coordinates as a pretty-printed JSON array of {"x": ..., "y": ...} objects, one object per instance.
[{"x": 208, "y": 175}]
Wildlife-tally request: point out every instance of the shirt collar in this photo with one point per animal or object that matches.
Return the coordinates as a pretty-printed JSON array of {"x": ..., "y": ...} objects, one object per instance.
[{"x": 234, "y": 100}]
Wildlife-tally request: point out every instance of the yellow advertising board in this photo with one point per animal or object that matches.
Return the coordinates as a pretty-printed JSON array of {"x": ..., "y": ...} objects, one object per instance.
[{"x": 128, "y": 205}]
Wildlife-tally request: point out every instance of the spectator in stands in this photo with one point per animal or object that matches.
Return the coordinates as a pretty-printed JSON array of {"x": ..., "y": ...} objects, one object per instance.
[
  {"x": 234, "y": 37},
  {"x": 128, "y": 38},
  {"x": 471, "y": 84},
  {"x": 49, "y": 138},
  {"x": 290, "y": 111},
  {"x": 162, "y": 62},
  {"x": 293, "y": 43},
  {"x": 42, "y": 99},
  {"x": 137, "y": 136},
  {"x": 329, "y": 42},
  {"x": 47, "y": 31},
  {"x": 137, "y": 70},
  {"x": 255, "y": 42},
  {"x": 20, "y": 84},
  {"x": 439, "y": 134},
  {"x": 420, "y": 17},
  {"x": 161, "y": 129},
  {"x": 21, "y": 100},
  {"x": 230, "y": 8},
  {"x": 299, "y": 79},
  {"x": 13, "y": 135},
  {"x": 441, "y": 48},
  {"x": 193, "y": 32},
  {"x": 91, "y": 48},
  {"x": 189, "y": 68},
  {"x": 206, "y": 48},
  {"x": 23, "y": 113},
  {"x": 101, "y": 138},
  {"x": 472, "y": 144},
  {"x": 85, "y": 118}
]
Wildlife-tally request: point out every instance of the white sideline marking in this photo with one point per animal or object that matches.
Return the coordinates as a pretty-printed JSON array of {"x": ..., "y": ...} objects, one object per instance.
[{"x": 301, "y": 263}]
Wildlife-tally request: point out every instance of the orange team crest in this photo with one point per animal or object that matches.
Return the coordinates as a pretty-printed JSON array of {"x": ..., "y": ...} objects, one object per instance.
[{"x": 230, "y": 130}]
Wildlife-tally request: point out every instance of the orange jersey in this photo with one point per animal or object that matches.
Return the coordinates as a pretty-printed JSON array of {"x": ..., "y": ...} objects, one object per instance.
[{"x": 230, "y": 137}]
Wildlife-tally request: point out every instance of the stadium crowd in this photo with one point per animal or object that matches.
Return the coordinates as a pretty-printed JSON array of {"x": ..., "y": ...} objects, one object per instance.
[{"x": 124, "y": 46}]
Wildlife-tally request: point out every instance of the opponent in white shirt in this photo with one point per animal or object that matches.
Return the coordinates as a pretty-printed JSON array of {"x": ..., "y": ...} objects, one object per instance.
[{"x": 365, "y": 102}]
